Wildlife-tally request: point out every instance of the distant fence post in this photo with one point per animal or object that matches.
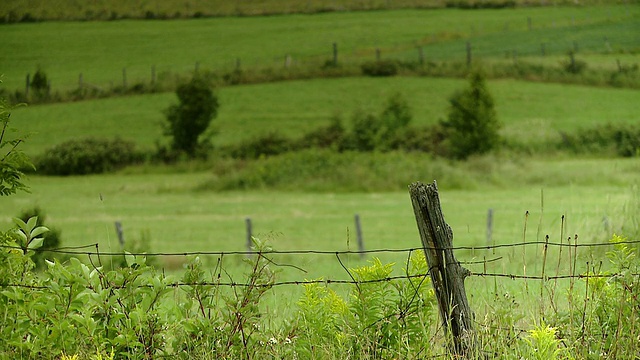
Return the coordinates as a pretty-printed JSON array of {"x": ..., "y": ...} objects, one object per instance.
[
  {"x": 80, "y": 81},
  {"x": 249, "y": 234},
  {"x": 489, "y": 226},
  {"x": 377, "y": 54},
  {"x": 27, "y": 85},
  {"x": 447, "y": 276},
  {"x": 421, "y": 55},
  {"x": 468, "y": 53},
  {"x": 153, "y": 75},
  {"x": 335, "y": 53},
  {"x": 359, "y": 235},
  {"x": 120, "y": 233},
  {"x": 124, "y": 78}
]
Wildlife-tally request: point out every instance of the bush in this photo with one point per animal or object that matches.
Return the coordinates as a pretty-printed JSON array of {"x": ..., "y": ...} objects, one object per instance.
[
  {"x": 574, "y": 66},
  {"x": 370, "y": 132},
  {"x": 87, "y": 156},
  {"x": 187, "y": 122},
  {"x": 623, "y": 140},
  {"x": 380, "y": 68},
  {"x": 272, "y": 143},
  {"x": 40, "y": 85},
  {"x": 472, "y": 124},
  {"x": 428, "y": 139},
  {"x": 330, "y": 136}
]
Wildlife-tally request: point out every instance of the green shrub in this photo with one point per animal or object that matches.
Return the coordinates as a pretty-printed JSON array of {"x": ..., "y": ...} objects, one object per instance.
[
  {"x": 87, "y": 156},
  {"x": 331, "y": 136},
  {"x": 380, "y": 320},
  {"x": 268, "y": 144},
  {"x": 40, "y": 85},
  {"x": 370, "y": 132},
  {"x": 573, "y": 65},
  {"x": 472, "y": 124},
  {"x": 427, "y": 139},
  {"x": 622, "y": 140},
  {"x": 188, "y": 121},
  {"x": 380, "y": 68}
]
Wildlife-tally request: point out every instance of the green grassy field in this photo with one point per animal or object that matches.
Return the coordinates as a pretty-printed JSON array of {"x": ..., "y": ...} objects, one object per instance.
[
  {"x": 181, "y": 219},
  {"x": 100, "y": 50},
  {"x": 530, "y": 112}
]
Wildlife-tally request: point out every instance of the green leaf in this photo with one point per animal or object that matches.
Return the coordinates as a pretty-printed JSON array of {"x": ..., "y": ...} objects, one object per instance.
[
  {"x": 31, "y": 223},
  {"x": 21, "y": 224},
  {"x": 131, "y": 260},
  {"x": 22, "y": 236},
  {"x": 39, "y": 231},
  {"x": 35, "y": 243}
]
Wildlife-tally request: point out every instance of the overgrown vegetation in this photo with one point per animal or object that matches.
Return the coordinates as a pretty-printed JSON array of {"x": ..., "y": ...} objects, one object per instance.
[
  {"x": 138, "y": 312},
  {"x": 87, "y": 156},
  {"x": 12, "y": 161}
]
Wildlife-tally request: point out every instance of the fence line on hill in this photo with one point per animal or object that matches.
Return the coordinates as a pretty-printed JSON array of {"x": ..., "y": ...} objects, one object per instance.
[{"x": 471, "y": 46}]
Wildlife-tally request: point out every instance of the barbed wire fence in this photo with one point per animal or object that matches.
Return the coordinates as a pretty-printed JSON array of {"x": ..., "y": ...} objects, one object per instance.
[{"x": 95, "y": 253}]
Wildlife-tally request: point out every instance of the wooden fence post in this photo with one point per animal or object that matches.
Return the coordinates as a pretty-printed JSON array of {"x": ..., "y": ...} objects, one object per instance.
[
  {"x": 335, "y": 53},
  {"x": 468, "y": 53},
  {"x": 447, "y": 276},
  {"x": 249, "y": 234},
  {"x": 120, "y": 233},
  {"x": 359, "y": 236},
  {"x": 27, "y": 85}
]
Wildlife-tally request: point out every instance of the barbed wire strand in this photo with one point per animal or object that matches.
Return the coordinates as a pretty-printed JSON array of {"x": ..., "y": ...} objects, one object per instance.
[{"x": 64, "y": 250}]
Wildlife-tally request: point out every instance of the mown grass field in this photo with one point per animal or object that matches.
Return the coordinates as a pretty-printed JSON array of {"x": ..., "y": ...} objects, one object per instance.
[
  {"x": 100, "y": 50},
  {"x": 531, "y": 112}
]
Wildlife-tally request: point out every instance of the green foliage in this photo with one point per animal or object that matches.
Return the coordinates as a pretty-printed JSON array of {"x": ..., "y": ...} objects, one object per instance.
[
  {"x": 472, "y": 124},
  {"x": 187, "y": 122},
  {"x": 605, "y": 320},
  {"x": 370, "y": 132},
  {"x": 543, "y": 343},
  {"x": 12, "y": 161},
  {"x": 622, "y": 140},
  {"x": 331, "y": 136},
  {"x": 51, "y": 238},
  {"x": 268, "y": 144},
  {"x": 380, "y": 68},
  {"x": 40, "y": 85},
  {"x": 573, "y": 65},
  {"x": 381, "y": 319},
  {"x": 87, "y": 156}
]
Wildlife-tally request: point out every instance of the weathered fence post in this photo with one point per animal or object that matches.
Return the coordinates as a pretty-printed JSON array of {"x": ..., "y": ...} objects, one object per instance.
[
  {"x": 27, "y": 85},
  {"x": 120, "y": 233},
  {"x": 468, "y": 53},
  {"x": 359, "y": 236},
  {"x": 447, "y": 276},
  {"x": 249, "y": 235},
  {"x": 335, "y": 54}
]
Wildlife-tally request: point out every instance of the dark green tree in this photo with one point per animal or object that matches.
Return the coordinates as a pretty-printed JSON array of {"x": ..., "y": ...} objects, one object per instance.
[
  {"x": 472, "y": 124},
  {"x": 40, "y": 85},
  {"x": 188, "y": 121}
]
